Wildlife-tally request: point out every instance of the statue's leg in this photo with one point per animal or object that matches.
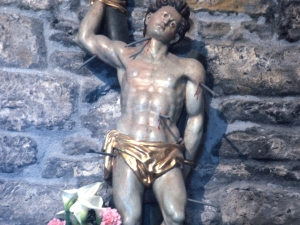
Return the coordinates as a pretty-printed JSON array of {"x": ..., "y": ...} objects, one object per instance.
[
  {"x": 170, "y": 193},
  {"x": 128, "y": 193}
]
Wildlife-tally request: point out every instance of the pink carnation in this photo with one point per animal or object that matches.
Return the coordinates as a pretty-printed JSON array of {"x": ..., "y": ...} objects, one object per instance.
[
  {"x": 56, "y": 222},
  {"x": 110, "y": 217}
]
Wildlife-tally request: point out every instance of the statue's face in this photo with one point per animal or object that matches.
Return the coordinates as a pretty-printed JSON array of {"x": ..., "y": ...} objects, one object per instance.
[{"x": 163, "y": 24}]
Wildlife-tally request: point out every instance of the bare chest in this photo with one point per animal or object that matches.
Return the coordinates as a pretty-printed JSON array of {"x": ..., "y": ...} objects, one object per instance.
[{"x": 162, "y": 75}]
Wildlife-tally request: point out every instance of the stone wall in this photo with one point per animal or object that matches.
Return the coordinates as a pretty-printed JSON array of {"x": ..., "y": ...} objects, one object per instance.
[{"x": 53, "y": 119}]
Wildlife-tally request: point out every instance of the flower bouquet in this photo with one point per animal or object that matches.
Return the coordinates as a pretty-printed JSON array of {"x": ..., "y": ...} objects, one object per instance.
[{"x": 83, "y": 207}]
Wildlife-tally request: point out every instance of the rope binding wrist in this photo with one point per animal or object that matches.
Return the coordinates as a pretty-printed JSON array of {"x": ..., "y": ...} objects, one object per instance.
[
  {"x": 190, "y": 163},
  {"x": 117, "y": 4}
]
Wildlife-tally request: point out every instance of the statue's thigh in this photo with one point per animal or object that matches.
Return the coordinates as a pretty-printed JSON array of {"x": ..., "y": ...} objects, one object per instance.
[
  {"x": 127, "y": 189},
  {"x": 170, "y": 192}
]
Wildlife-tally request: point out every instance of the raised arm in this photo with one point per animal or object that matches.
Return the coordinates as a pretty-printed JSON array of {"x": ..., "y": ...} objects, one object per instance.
[
  {"x": 195, "y": 109},
  {"x": 107, "y": 50}
]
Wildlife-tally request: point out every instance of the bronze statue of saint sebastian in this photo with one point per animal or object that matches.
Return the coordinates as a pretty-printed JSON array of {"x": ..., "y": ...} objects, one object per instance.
[{"x": 155, "y": 86}]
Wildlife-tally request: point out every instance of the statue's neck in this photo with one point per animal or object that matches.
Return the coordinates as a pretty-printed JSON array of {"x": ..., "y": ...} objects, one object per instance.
[{"x": 156, "y": 49}]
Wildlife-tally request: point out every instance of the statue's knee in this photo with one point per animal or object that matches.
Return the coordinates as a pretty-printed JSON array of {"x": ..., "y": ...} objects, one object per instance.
[
  {"x": 131, "y": 220},
  {"x": 176, "y": 217},
  {"x": 179, "y": 218}
]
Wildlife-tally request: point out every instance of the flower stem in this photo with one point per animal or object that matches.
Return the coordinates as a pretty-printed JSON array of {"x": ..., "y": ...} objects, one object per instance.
[{"x": 68, "y": 222}]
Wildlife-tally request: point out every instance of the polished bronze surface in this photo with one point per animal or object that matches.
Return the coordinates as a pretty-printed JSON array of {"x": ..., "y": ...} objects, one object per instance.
[
  {"x": 148, "y": 160},
  {"x": 113, "y": 3},
  {"x": 155, "y": 86}
]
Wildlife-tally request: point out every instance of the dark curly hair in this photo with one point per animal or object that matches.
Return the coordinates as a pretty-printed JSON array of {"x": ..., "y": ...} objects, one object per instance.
[{"x": 181, "y": 7}]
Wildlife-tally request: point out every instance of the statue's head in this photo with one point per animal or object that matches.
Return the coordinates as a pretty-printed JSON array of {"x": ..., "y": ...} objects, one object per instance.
[{"x": 181, "y": 9}]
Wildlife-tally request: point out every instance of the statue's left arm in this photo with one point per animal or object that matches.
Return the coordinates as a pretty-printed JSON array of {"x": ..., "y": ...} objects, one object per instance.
[{"x": 195, "y": 109}]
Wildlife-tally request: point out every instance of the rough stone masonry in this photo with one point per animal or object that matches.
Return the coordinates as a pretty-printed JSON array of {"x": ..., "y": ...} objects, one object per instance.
[{"x": 53, "y": 119}]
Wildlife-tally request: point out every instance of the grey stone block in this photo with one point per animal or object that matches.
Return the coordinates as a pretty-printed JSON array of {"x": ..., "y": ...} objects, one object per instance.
[
  {"x": 31, "y": 100},
  {"x": 231, "y": 170},
  {"x": 7, "y": 2},
  {"x": 289, "y": 27},
  {"x": 67, "y": 168},
  {"x": 67, "y": 30},
  {"x": 22, "y": 42},
  {"x": 70, "y": 61},
  {"x": 254, "y": 69},
  {"x": 244, "y": 203},
  {"x": 206, "y": 214},
  {"x": 212, "y": 30},
  {"x": 23, "y": 203},
  {"x": 48, "y": 5},
  {"x": 137, "y": 23},
  {"x": 263, "y": 111},
  {"x": 139, "y": 3},
  {"x": 78, "y": 144},
  {"x": 264, "y": 31},
  {"x": 252, "y": 7},
  {"x": 83, "y": 9},
  {"x": 16, "y": 152},
  {"x": 91, "y": 92},
  {"x": 56, "y": 168},
  {"x": 98, "y": 123},
  {"x": 262, "y": 144},
  {"x": 36, "y": 4},
  {"x": 103, "y": 117},
  {"x": 65, "y": 38}
]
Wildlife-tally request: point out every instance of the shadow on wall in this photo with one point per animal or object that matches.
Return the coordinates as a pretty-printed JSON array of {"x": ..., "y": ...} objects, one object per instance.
[{"x": 207, "y": 159}]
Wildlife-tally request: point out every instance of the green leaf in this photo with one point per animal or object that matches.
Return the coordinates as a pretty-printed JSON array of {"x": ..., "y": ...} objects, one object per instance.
[
  {"x": 61, "y": 215},
  {"x": 98, "y": 219},
  {"x": 73, "y": 220}
]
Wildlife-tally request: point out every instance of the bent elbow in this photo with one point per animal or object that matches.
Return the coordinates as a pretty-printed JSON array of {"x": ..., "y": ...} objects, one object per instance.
[
  {"x": 82, "y": 38},
  {"x": 85, "y": 42},
  {"x": 79, "y": 39}
]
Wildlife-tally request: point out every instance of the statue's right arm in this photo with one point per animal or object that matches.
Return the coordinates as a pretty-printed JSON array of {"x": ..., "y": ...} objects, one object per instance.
[{"x": 107, "y": 50}]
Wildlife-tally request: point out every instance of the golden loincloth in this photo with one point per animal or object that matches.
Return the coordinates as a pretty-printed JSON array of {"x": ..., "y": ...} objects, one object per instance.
[{"x": 148, "y": 160}]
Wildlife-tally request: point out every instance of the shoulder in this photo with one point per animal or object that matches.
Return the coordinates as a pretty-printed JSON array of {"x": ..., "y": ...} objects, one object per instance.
[
  {"x": 193, "y": 69},
  {"x": 120, "y": 48},
  {"x": 124, "y": 53},
  {"x": 188, "y": 67}
]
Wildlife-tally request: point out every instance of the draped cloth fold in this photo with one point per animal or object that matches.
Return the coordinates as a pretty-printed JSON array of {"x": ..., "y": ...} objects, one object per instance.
[{"x": 148, "y": 160}]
